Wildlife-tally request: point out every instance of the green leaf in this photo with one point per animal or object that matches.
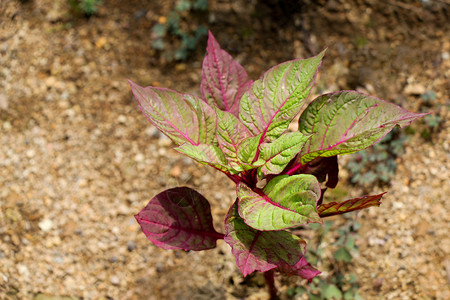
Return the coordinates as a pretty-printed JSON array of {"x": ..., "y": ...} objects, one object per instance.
[
  {"x": 206, "y": 154},
  {"x": 182, "y": 117},
  {"x": 286, "y": 201},
  {"x": 352, "y": 278},
  {"x": 299, "y": 290},
  {"x": 350, "y": 244},
  {"x": 188, "y": 42},
  {"x": 247, "y": 151},
  {"x": 181, "y": 53},
  {"x": 349, "y": 295},
  {"x": 330, "y": 291},
  {"x": 200, "y": 4},
  {"x": 358, "y": 296},
  {"x": 348, "y": 121},
  {"x": 260, "y": 250},
  {"x": 200, "y": 32},
  {"x": 271, "y": 102},
  {"x": 206, "y": 119},
  {"x": 280, "y": 152},
  {"x": 158, "y": 44},
  {"x": 230, "y": 133},
  {"x": 173, "y": 20},
  {"x": 314, "y": 297},
  {"x": 159, "y": 30},
  {"x": 342, "y": 254},
  {"x": 327, "y": 226},
  {"x": 183, "y": 5}
]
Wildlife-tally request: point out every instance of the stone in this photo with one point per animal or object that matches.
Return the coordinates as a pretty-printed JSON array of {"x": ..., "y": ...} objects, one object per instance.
[
  {"x": 46, "y": 225},
  {"x": 175, "y": 171},
  {"x": 122, "y": 119},
  {"x": 131, "y": 245},
  {"x": 101, "y": 42},
  {"x": 414, "y": 89},
  {"x": 114, "y": 280}
]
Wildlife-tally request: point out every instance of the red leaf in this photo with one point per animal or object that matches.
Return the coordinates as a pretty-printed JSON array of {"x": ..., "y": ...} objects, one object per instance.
[
  {"x": 224, "y": 80},
  {"x": 335, "y": 208},
  {"x": 322, "y": 167},
  {"x": 179, "y": 218},
  {"x": 302, "y": 268}
]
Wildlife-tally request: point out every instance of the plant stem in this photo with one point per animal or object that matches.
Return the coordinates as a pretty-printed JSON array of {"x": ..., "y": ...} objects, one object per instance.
[
  {"x": 218, "y": 235},
  {"x": 235, "y": 178},
  {"x": 294, "y": 168},
  {"x": 270, "y": 281}
]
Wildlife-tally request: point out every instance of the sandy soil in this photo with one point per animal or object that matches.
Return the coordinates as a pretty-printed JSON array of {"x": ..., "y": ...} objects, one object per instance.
[{"x": 78, "y": 159}]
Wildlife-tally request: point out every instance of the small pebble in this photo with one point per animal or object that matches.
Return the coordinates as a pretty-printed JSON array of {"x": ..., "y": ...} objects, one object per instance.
[
  {"x": 122, "y": 119},
  {"x": 175, "y": 172},
  {"x": 7, "y": 126},
  {"x": 115, "y": 280},
  {"x": 160, "y": 267},
  {"x": 131, "y": 245},
  {"x": 185, "y": 176},
  {"x": 46, "y": 225},
  {"x": 415, "y": 89},
  {"x": 23, "y": 270},
  {"x": 101, "y": 42},
  {"x": 139, "y": 157}
]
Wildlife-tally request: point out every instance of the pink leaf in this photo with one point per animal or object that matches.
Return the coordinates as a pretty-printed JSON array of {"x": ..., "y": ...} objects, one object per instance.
[
  {"x": 182, "y": 117},
  {"x": 224, "y": 80},
  {"x": 230, "y": 132},
  {"x": 179, "y": 218},
  {"x": 335, "y": 208},
  {"x": 262, "y": 251},
  {"x": 271, "y": 102},
  {"x": 346, "y": 122},
  {"x": 302, "y": 268}
]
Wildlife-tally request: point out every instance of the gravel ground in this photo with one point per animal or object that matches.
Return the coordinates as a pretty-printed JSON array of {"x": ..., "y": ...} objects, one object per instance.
[{"x": 78, "y": 160}]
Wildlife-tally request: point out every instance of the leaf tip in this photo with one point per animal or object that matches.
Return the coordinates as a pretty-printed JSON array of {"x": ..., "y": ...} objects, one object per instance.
[
  {"x": 134, "y": 88},
  {"x": 137, "y": 217},
  {"x": 212, "y": 42},
  {"x": 210, "y": 35},
  {"x": 133, "y": 84}
]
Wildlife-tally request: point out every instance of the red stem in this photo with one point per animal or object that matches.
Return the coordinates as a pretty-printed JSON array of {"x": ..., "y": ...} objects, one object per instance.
[
  {"x": 293, "y": 169},
  {"x": 219, "y": 236},
  {"x": 270, "y": 281},
  {"x": 235, "y": 178}
]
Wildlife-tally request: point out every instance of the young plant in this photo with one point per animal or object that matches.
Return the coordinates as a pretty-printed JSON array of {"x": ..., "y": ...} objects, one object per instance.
[
  {"x": 175, "y": 28},
  {"x": 337, "y": 284},
  {"x": 240, "y": 127},
  {"x": 377, "y": 165},
  {"x": 88, "y": 7}
]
